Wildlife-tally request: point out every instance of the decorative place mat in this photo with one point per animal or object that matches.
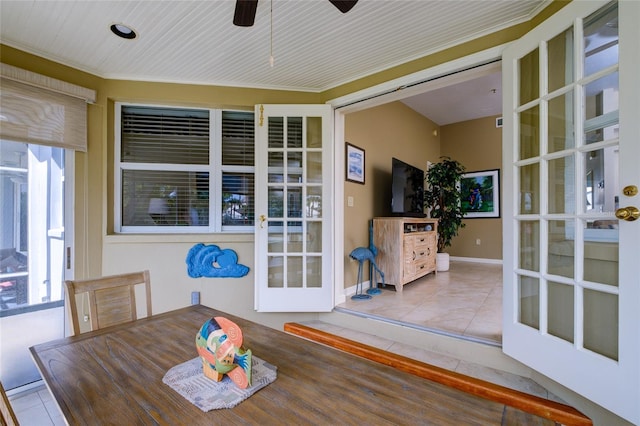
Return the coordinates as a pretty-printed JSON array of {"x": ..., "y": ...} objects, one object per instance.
[{"x": 189, "y": 381}]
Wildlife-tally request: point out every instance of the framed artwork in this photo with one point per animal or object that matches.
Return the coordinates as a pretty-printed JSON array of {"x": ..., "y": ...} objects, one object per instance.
[
  {"x": 481, "y": 194},
  {"x": 354, "y": 159}
]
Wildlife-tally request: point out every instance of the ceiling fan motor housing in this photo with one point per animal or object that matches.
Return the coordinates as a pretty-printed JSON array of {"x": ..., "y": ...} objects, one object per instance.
[{"x": 245, "y": 13}]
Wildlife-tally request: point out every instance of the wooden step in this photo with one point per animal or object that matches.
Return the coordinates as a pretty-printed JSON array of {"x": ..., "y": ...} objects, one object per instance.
[{"x": 541, "y": 407}]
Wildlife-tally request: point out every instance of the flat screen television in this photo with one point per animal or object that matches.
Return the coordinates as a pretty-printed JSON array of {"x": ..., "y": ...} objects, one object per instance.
[{"x": 407, "y": 190}]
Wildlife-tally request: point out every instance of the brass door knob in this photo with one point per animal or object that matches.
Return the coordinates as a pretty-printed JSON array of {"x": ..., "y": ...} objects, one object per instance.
[
  {"x": 628, "y": 213},
  {"x": 630, "y": 190},
  {"x": 262, "y": 219}
]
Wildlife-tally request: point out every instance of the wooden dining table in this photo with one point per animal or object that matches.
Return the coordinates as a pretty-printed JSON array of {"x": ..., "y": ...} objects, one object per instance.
[{"x": 114, "y": 376}]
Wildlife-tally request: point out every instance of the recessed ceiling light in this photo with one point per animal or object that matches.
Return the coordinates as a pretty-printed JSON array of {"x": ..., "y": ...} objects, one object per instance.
[{"x": 123, "y": 31}]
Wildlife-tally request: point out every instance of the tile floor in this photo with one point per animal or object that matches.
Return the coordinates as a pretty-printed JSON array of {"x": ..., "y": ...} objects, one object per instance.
[
  {"x": 465, "y": 301},
  {"x": 36, "y": 407}
]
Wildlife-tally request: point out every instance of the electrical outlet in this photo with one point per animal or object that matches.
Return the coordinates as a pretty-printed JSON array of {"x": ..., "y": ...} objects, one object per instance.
[
  {"x": 86, "y": 318},
  {"x": 477, "y": 241},
  {"x": 349, "y": 201}
]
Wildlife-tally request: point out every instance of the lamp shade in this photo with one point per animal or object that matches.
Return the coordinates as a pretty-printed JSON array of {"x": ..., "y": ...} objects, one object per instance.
[{"x": 158, "y": 206}]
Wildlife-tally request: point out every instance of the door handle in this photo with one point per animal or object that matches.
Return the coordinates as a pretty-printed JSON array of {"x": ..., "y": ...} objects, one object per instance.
[
  {"x": 262, "y": 219},
  {"x": 629, "y": 214}
]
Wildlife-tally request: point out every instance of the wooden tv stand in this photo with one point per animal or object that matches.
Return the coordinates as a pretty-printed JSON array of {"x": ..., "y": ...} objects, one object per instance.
[{"x": 407, "y": 248}]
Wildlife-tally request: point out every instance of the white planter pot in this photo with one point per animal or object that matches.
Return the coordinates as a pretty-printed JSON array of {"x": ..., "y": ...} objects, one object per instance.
[{"x": 442, "y": 262}]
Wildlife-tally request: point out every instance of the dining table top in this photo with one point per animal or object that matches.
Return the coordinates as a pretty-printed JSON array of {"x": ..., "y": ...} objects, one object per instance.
[{"x": 115, "y": 376}]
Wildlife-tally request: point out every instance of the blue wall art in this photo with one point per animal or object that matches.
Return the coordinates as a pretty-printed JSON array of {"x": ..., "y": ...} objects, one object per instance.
[{"x": 213, "y": 262}]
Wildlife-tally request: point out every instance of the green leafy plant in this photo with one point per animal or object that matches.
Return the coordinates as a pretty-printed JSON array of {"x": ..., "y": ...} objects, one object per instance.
[{"x": 442, "y": 196}]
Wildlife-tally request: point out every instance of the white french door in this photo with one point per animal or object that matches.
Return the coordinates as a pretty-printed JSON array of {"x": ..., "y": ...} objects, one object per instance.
[
  {"x": 571, "y": 147},
  {"x": 294, "y": 175}
]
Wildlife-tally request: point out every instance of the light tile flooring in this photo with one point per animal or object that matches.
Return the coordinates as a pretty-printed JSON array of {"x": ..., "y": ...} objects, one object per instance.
[
  {"x": 465, "y": 301},
  {"x": 36, "y": 407}
]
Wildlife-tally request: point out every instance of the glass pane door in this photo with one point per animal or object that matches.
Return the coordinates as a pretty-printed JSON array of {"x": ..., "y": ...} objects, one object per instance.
[
  {"x": 570, "y": 147},
  {"x": 569, "y": 187},
  {"x": 296, "y": 187},
  {"x": 32, "y": 254}
]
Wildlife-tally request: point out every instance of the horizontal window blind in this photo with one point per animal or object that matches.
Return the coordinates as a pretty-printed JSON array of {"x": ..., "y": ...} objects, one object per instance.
[
  {"x": 237, "y": 138},
  {"x": 164, "y": 135},
  {"x": 294, "y": 132},
  {"x": 165, "y": 198}
]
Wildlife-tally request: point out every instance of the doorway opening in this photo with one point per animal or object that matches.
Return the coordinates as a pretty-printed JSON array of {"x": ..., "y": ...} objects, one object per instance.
[{"x": 465, "y": 302}]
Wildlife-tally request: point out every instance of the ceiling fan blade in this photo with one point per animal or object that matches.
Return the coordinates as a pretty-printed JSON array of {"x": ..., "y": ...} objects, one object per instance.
[
  {"x": 344, "y": 5},
  {"x": 245, "y": 13}
]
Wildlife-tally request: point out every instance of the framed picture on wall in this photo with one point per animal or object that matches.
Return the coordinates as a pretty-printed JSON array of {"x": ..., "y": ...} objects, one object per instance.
[
  {"x": 481, "y": 194},
  {"x": 354, "y": 164}
]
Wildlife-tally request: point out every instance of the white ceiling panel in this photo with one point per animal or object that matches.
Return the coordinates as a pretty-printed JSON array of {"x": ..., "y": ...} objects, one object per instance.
[
  {"x": 315, "y": 46},
  {"x": 466, "y": 100}
]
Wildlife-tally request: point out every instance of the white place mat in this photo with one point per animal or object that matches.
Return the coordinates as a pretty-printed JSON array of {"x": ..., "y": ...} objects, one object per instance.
[{"x": 189, "y": 381}]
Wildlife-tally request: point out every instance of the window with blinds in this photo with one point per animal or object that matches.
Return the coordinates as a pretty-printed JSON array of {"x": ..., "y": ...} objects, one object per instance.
[
  {"x": 171, "y": 161},
  {"x": 237, "y": 169}
]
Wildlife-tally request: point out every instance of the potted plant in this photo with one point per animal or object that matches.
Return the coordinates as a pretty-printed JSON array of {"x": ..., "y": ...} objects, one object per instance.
[{"x": 443, "y": 200}]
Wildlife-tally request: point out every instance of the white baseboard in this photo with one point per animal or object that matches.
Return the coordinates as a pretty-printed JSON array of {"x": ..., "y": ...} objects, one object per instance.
[
  {"x": 476, "y": 260},
  {"x": 26, "y": 388},
  {"x": 349, "y": 291}
]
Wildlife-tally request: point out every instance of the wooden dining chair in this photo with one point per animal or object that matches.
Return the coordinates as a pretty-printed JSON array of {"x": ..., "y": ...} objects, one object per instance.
[
  {"x": 7, "y": 415},
  {"x": 112, "y": 299}
]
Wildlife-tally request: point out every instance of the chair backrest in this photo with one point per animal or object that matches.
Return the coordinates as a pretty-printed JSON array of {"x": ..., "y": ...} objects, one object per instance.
[
  {"x": 112, "y": 299},
  {"x": 7, "y": 414}
]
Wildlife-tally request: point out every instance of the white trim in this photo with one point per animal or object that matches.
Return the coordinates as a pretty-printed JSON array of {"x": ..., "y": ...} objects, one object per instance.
[
  {"x": 476, "y": 260},
  {"x": 215, "y": 168},
  {"x": 25, "y": 389},
  {"x": 69, "y": 212},
  {"x": 349, "y": 291},
  {"x": 409, "y": 85},
  {"x": 338, "y": 209}
]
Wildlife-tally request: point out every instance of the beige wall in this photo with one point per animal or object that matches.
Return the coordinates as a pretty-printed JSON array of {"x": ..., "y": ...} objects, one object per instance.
[
  {"x": 394, "y": 130},
  {"x": 390, "y": 130},
  {"x": 477, "y": 144}
]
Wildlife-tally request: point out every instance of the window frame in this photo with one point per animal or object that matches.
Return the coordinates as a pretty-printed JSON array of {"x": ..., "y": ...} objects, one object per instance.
[{"x": 215, "y": 168}]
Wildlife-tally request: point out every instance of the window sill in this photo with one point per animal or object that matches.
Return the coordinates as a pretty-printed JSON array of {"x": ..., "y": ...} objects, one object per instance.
[{"x": 221, "y": 237}]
